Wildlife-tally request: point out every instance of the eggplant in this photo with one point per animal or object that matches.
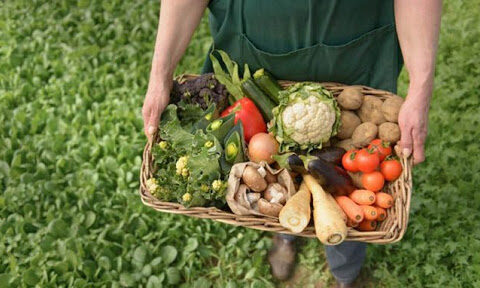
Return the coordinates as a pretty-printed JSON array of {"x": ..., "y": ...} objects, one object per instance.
[
  {"x": 334, "y": 178},
  {"x": 291, "y": 161},
  {"x": 329, "y": 154}
]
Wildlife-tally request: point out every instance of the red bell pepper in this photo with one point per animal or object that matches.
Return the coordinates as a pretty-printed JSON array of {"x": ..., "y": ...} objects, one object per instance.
[{"x": 251, "y": 117}]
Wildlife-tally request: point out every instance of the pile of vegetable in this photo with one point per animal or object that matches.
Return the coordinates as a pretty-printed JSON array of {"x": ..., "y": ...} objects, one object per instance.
[
  {"x": 365, "y": 117},
  {"x": 200, "y": 141},
  {"x": 370, "y": 167},
  {"x": 201, "y": 138},
  {"x": 202, "y": 90},
  {"x": 261, "y": 190},
  {"x": 337, "y": 151},
  {"x": 188, "y": 161}
]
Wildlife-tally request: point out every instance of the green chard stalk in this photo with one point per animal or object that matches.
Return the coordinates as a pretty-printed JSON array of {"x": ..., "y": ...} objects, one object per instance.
[
  {"x": 210, "y": 114},
  {"x": 234, "y": 148},
  {"x": 220, "y": 127}
]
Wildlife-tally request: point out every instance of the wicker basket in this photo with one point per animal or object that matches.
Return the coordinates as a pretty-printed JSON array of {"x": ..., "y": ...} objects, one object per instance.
[{"x": 391, "y": 229}]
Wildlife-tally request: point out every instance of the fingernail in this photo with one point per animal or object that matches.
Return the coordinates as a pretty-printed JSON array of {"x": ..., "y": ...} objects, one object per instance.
[
  {"x": 406, "y": 152},
  {"x": 151, "y": 130}
]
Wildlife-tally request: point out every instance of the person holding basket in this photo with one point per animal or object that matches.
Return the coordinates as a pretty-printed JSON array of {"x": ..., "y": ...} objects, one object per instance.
[{"x": 362, "y": 42}]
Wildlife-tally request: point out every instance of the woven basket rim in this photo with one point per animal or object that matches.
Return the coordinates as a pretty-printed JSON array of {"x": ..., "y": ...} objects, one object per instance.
[{"x": 391, "y": 230}]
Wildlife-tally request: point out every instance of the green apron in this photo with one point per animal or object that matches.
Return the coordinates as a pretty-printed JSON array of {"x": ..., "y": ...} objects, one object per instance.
[{"x": 346, "y": 41}]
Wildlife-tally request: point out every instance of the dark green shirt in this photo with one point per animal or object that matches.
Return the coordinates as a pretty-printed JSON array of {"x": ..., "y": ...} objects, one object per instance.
[{"x": 346, "y": 41}]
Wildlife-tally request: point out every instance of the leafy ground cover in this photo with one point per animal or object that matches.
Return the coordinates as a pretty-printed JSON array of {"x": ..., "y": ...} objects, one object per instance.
[{"x": 72, "y": 79}]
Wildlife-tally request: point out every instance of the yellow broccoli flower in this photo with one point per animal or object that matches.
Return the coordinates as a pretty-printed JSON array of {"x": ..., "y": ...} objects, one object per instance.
[
  {"x": 187, "y": 197},
  {"x": 181, "y": 164},
  {"x": 217, "y": 185},
  {"x": 163, "y": 145},
  {"x": 185, "y": 172},
  {"x": 204, "y": 188},
  {"x": 152, "y": 185}
]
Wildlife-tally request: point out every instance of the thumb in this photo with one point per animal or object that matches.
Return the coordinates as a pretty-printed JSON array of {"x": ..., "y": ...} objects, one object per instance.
[
  {"x": 152, "y": 125},
  {"x": 406, "y": 143}
]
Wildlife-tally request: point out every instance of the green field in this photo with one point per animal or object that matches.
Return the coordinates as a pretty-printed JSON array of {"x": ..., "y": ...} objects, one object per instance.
[{"x": 73, "y": 75}]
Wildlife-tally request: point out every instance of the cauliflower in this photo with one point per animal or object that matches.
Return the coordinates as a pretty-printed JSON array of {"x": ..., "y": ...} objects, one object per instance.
[{"x": 306, "y": 117}]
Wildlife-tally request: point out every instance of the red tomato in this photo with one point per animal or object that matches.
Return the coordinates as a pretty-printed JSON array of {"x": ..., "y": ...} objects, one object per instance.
[
  {"x": 366, "y": 160},
  {"x": 383, "y": 148},
  {"x": 391, "y": 169},
  {"x": 348, "y": 161},
  {"x": 373, "y": 181}
]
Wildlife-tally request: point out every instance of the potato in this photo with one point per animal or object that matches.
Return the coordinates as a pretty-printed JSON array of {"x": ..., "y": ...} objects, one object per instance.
[
  {"x": 371, "y": 110},
  {"x": 349, "y": 121},
  {"x": 391, "y": 108},
  {"x": 389, "y": 132},
  {"x": 351, "y": 98},
  {"x": 346, "y": 144},
  {"x": 364, "y": 134}
]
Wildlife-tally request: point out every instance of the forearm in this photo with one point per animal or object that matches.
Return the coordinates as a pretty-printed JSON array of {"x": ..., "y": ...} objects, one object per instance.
[
  {"x": 418, "y": 25},
  {"x": 178, "y": 21}
]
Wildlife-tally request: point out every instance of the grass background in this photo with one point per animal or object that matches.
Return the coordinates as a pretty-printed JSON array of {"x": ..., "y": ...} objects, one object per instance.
[{"x": 72, "y": 80}]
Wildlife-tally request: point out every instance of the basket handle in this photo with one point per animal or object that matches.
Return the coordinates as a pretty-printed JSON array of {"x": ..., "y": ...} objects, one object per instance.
[{"x": 151, "y": 140}]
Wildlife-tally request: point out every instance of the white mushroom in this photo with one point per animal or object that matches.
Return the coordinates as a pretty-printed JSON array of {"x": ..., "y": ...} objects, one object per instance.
[
  {"x": 253, "y": 179},
  {"x": 267, "y": 208},
  {"x": 275, "y": 193}
]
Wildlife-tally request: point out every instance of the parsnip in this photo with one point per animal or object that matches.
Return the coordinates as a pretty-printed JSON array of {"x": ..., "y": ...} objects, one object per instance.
[
  {"x": 337, "y": 208},
  {"x": 295, "y": 215},
  {"x": 330, "y": 226}
]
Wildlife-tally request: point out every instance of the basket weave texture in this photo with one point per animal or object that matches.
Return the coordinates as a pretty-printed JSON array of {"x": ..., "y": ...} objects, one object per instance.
[{"x": 390, "y": 230}]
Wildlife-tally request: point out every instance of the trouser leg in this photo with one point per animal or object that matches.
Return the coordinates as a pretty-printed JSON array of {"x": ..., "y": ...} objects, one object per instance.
[
  {"x": 282, "y": 256},
  {"x": 346, "y": 260},
  {"x": 287, "y": 237}
]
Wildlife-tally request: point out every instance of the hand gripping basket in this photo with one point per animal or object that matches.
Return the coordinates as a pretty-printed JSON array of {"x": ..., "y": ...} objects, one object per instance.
[{"x": 391, "y": 229}]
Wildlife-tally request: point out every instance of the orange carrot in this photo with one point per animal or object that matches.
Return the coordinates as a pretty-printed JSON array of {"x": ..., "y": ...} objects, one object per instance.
[
  {"x": 381, "y": 213},
  {"x": 367, "y": 225},
  {"x": 363, "y": 197},
  {"x": 384, "y": 200},
  {"x": 351, "y": 223},
  {"x": 352, "y": 210},
  {"x": 369, "y": 212}
]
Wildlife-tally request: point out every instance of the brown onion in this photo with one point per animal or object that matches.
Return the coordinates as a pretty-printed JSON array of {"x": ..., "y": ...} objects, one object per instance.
[{"x": 262, "y": 147}]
